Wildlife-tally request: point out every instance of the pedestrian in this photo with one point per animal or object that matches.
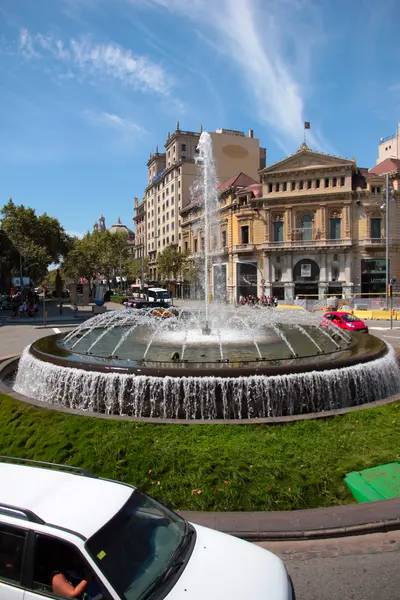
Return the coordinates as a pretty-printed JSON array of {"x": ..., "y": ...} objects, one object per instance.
[
  {"x": 60, "y": 306},
  {"x": 75, "y": 310},
  {"x": 21, "y": 309}
]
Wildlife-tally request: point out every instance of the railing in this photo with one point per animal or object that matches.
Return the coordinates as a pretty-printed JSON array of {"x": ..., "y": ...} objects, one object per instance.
[
  {"x": 223, "y": 250},
  {"x": 243, "y": 248},
  {"x": 373, "y": 241},
  {"x": 306, "y": 243},
  {"x": 195, "y": 255}
]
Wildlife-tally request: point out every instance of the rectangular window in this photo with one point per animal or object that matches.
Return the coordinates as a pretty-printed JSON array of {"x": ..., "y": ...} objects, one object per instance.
[
  {"x": 167, "y": 240},
  {"x": 301, "y": 185},
  {"x": 293, "y": 186},
  {"x": 223, "y": 239},
  {"x": 277, "y": 187},
  {"x": 172, "y": 225},
  {"x": 195, "y": 245},
  {"x": 376, "y": 230},
  {"x": 159, "y": 243},
  {"x": 334, "y": 182},
  {"x": 186, "y": 246},
  {"x": 285, "y": 186},
  {"x": 172, "y": 212},
  {"x": 12, "y": 544},
  {"x": 317, "y": 183},
  {"x": 326, "y": 182},
  {"x": 183, "y": 147},
  {"x": 336, "y": 228},
  {"x": 172, "y": 188},
  {"x": 244, "y": 230},
  {"x": 278, "y": 231},
  {"x": 309, "y": 184},
  {"x": 167, "y": 227},
  {"x": 270, "y": 188},
  {"x": 342, "y": 181}
]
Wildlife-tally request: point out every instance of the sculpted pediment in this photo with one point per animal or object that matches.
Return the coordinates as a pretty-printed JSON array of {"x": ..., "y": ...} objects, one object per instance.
[{"x": 307, "y": 159}]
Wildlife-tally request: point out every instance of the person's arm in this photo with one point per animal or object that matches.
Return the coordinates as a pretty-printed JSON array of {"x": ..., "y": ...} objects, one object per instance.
[{"x": 62, "y": 587}]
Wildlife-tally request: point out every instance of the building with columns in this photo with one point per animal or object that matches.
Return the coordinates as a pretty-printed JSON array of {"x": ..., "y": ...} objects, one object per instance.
[{"x": 313, "y": 227}]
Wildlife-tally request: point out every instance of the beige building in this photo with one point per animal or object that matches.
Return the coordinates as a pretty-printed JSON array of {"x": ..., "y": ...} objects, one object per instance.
[
  {"x": 171, "y": 175},
  {"x": 314, "y": 227},
  {"x": 389, "y": 147}
]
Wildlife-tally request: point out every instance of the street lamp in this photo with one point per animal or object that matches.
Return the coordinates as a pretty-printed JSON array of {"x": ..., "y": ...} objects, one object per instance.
[{"x": 389, "y": 195}]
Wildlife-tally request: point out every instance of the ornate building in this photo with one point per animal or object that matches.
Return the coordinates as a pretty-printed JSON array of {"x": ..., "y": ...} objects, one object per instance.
[
  {"x": 315, "y": 226},
  {"x": 118, "y": 227}
]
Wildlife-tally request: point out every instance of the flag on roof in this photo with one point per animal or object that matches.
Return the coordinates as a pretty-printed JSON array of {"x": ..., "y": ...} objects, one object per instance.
[{"x": 307, "y": 125}]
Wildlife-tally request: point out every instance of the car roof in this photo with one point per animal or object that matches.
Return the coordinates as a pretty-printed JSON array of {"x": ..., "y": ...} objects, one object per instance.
[
  {"x": 157, "y": 290},
  {"x": 67, "y": 500}
]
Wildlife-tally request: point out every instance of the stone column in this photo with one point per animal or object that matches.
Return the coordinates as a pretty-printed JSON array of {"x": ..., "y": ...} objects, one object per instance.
[
  {"x": 85, "y": 294},
  {"x": 73, "y": 294},
  {"x": 289, "y": 292},
  {"x": 267, "y": 274}
]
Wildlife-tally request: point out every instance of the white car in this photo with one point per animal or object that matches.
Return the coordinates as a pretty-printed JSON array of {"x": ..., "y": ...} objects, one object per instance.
[{"x": 66, "y": 533}]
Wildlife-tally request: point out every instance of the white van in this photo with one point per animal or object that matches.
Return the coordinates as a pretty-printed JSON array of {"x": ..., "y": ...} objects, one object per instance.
[
  {"x": 66, "y": 533},
  {"x": 154, "y": 294}
]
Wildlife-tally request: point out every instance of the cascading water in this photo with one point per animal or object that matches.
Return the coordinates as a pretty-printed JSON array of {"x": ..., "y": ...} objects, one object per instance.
[{"x": 220, "y": 362}]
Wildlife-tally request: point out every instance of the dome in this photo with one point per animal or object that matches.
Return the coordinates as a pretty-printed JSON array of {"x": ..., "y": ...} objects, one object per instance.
[{"x": 120, "y": 228}]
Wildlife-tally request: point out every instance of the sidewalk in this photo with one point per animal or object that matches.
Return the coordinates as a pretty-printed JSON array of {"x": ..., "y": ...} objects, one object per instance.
[{"x": 335, "y": 521}]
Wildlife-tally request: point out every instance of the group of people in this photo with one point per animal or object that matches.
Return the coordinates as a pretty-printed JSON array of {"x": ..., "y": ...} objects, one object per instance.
[
  {"x": 24, "y": 308},
  {"x": 250, "y": 300}
]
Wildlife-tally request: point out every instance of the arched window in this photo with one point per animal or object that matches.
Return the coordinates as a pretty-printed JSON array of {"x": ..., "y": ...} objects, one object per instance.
[{"x": 306, "y": 227}]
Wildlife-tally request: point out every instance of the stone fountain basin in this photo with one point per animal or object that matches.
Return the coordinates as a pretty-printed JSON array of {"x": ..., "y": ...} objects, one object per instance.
[{"x": 365, "y": 372}]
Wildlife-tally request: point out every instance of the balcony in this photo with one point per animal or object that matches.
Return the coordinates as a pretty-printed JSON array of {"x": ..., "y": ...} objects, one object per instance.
[
  {"x": 373, "y": 242},
  {"x": 293, "y": 244},
  {"x": 240, "y": 248},
  {"x": 220, "y": 251},
  {"x": 194, "y": 255}
]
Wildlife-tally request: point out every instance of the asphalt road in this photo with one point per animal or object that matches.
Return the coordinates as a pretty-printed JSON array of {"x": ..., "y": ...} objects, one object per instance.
[{"x": 353, "y": 568}]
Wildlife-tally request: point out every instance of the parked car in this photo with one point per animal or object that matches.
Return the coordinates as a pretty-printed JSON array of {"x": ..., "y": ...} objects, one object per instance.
[
  {"x": 5, "y": 303},
  {"x": 345, "y": 320},
  {"x": 121, "y": 543}
]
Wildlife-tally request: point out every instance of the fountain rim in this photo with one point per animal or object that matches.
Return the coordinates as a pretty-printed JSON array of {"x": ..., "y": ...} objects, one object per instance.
[
  {"x": 10, "y": 365},
  {"x": 221, "y": 371}
]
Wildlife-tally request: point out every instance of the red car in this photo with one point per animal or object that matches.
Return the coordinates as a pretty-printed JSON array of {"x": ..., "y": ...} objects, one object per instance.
[{"x": 345, "y": 320}]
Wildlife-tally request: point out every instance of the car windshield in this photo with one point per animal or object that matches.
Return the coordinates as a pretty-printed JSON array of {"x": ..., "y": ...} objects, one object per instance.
[
  {"x": 350, "y": 318},
  {"x": 135, "y": 548},
  {"x": 159, "y": 295}
]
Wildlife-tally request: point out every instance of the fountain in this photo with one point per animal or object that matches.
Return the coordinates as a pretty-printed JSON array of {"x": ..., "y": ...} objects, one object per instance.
[{"x": 219, "y": 362}]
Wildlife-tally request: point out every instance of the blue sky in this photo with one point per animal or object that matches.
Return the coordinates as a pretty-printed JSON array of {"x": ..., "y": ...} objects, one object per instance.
[{"x": 89, "y": 87}]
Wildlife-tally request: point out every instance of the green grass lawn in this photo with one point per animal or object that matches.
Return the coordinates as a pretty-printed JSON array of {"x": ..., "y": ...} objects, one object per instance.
[{"x": 212, "y": 467}]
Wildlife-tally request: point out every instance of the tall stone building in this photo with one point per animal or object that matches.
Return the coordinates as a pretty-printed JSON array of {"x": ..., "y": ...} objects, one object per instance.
[{"x": 170, "y": 177}]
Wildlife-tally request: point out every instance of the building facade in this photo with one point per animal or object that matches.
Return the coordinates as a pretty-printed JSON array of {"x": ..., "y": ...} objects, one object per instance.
[
  {"x": 313, "y": 227},
  {"x": 389, "y": 147},
  {"x": 171, "y": 176}
]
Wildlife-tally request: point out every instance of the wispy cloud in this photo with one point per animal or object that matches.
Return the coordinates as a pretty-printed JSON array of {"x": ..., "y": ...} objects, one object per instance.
[
  {"x": 74, "y": 233},
  {"x": 116, "y": 122},
  {"x": 96, "y": 61},
  {"x": 272, "y": 43}
]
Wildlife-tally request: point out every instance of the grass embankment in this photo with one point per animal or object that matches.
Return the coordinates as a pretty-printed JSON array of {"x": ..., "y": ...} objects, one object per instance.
[{"x": 212, "y": 467}]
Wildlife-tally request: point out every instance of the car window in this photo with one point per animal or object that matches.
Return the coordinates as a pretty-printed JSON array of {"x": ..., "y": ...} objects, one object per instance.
[
  {"x": 12, "y": 545},
  {"x": 350, "y": 318},
  {"x": 53, "y": 557},
  {"x": 136, "y": 547}
]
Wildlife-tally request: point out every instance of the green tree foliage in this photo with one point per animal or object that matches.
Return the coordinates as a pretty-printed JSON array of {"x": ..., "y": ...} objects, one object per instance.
[
  {"x": 99, "y": 253},
  {"x": 39, "y": 239},
  {"x": 136, "y": 268},
  {"x": 171, "y": 262}
]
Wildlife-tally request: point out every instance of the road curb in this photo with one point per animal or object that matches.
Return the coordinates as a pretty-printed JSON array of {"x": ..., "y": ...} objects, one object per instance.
[{"x": 308, "y": 526}]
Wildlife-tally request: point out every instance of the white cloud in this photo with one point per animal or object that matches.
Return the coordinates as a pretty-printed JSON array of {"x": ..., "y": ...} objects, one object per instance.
[
  {"x": 26, "y": 44},
  {"x": 272, "y": 43},
  {"x": 97, "y": 60},
  {"x": 114, "y": 121}
]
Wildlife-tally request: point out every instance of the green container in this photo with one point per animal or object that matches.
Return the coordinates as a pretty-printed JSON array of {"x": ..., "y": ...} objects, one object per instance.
[{"x": 378, "y": 483}]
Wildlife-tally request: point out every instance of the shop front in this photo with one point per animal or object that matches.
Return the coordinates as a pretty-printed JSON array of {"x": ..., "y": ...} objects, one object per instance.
[
  {"x": 306, "y": 278},
  {"x": 246, "y": 278},
  {"x": 373, "y": 276}
]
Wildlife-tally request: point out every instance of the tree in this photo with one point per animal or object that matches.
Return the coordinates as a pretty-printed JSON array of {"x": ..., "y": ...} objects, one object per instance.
[
  {"x": 39, "y": 240},
  {"x": 136, "y": 268},
  {"x": 171, "y": 261},
  {"x": 97, "y": 254}
]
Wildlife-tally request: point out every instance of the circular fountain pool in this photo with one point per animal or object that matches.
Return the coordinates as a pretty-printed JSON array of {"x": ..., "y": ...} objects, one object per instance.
[{"x": 251, "y": 363}]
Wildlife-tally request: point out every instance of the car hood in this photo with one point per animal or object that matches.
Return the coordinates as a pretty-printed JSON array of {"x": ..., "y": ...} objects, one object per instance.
[{"x": 222, "y": 566}]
